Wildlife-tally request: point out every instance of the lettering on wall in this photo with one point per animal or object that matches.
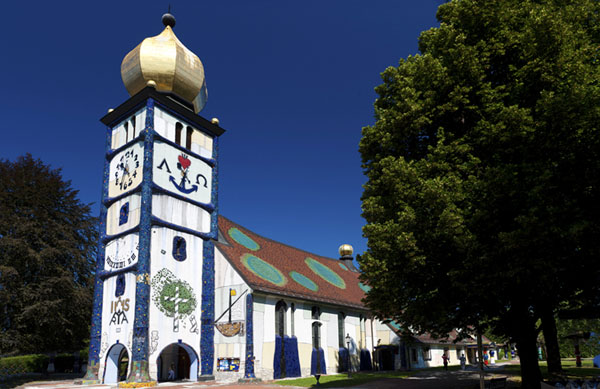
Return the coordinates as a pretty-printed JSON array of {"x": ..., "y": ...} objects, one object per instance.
[
  {"x": 117, "y": 310},
  {"x": 119, "y": 263}
]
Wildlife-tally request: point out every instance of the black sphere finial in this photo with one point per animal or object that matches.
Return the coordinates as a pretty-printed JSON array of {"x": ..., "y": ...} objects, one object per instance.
[{"x": 168, "y": 20}]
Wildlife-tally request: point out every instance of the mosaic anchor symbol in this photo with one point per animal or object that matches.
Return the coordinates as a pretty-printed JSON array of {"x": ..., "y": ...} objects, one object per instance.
[{"x": 183, "y": 165}]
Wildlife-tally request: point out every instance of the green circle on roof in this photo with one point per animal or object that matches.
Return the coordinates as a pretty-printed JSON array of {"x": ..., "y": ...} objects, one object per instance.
[
  {"x": 264, "y": 270},
  {"x": 365, "y": 288},
  {"x": 304, "y": 281},
  {"x": 243, "y": 239},
  {"x": 342, "y": 266},
  {"x": 325, "y": 273}
]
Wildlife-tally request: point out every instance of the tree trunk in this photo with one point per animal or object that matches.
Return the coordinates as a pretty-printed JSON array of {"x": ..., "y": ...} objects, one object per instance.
[
  {"x": 480, "y": 359},
  {"x": 551, "y": 340},
  {"x": 526, "y": 339}
]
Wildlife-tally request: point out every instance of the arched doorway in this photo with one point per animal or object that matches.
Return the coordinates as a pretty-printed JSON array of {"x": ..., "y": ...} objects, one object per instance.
[
  {"x": 180, "y": 358},
  {"x": 117, "y": 364}
]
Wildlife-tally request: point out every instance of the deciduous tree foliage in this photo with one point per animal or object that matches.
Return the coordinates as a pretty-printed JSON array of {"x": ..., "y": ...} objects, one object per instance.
[
  {"x": 47, "y": 252},
  {"x": 483, "y": 172}
]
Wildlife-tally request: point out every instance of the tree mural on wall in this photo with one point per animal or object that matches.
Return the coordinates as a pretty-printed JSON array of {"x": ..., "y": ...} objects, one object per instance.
[{"x": 175, "y": 298}]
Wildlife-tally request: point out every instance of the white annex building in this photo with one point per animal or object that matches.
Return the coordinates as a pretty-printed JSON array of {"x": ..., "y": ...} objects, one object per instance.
[{"x": 184, "y": 293}]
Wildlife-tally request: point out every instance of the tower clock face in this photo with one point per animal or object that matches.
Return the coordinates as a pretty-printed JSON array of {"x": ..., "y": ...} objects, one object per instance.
[{"x": 126, "y": 170}]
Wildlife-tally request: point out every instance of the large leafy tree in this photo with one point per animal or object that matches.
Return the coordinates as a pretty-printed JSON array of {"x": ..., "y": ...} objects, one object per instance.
[
  {"x": 47, "y": 251},
  {"x": 483, "y": 172}
]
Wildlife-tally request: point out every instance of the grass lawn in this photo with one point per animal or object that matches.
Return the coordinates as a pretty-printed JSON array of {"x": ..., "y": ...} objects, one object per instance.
[
  {"x": 342, "y": 380},
  {"x": 570, "y": 371}
]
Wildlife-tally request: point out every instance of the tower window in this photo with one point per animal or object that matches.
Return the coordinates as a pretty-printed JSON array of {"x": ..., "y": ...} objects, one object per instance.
[
  {"x": 124, "y": 214},
  {"x": 133, "y": 126},
  {"x": 120, "y": 289},
  {"x": 316, "y": 313},
  {"x": 179, "y": 252},
  {"x": 293, "y": 310},
  {"x": 178, "y": 129},
  {"x": 126, "y": 126},
  {"x": 188, "y": 138},
  {"x": 316, "y": 335},
  {"x": 280, "y": 309},
  {"x": 341, "y": 329}
]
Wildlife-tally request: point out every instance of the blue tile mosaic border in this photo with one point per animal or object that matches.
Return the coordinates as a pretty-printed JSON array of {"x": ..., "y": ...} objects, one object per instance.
[
  {"x": 139, "y": 371},
  {"x": 207, "y": 329},
  {"x": 249, "y": 369}
]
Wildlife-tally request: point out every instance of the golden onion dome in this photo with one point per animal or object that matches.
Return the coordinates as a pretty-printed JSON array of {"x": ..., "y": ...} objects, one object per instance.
[
  {"x": 345, "y": 250},
  {"x": 165, "y": 62}
]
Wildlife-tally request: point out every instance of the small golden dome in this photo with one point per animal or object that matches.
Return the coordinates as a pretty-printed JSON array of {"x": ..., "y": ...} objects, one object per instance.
[
  {"x": 345, "y": 250},
  {"x": 164, "y": 60}
]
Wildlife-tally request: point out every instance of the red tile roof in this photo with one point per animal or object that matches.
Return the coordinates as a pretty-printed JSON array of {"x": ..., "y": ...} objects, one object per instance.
[{"x": 276, "y": 268}]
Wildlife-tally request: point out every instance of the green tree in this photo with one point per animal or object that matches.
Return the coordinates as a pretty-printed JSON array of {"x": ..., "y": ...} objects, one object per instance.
[
  {"x": 47, "y": 254},
  {"x": 483, "y": 172},
  {"x": 589, "y": 347}
]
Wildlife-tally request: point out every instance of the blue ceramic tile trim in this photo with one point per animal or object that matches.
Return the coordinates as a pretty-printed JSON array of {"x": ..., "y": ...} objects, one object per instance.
[
  {"x": 249, "y": 370},
  {"x": 108, "y": 238},
  {"x": 365, "y": 360},
  {"x": 96, "y": 330},
  {"x": 104, "y": 274},
  {"x": 343, "y": 359},
  {"x": 142, "y": 290},
  {"x": 159, "y": 222},
  {"x": 277, "y": 357},
  {"x": 207, "y": 342},
  {"x": 111, "y": 200},
  {"x": 214, "y": 225},
  {"x": 292, "y": 361},
  {"x": 314, "y": 369},
  {"x": 210, "y": 161},
  {"x": 206, "y": 207}
]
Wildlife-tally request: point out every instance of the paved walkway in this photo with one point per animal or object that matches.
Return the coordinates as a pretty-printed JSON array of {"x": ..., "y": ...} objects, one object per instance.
[{"x": 423, "y": 379}]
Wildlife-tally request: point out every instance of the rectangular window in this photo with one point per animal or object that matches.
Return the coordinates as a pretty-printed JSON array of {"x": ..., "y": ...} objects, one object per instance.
[
  {"x": 427, "y": 354},
  {"x": 413, "y": 355},
  {"x": 316, "y": 333}
]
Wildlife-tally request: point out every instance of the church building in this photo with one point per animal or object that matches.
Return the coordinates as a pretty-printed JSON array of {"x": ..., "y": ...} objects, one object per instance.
[{"x": 182, "y": 292}]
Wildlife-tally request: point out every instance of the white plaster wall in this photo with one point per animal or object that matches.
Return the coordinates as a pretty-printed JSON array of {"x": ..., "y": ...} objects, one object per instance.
[
  {"x": 226, "y": 278},
  {"x": 112, "y": 217},
  {"x": 133, "y": 158},
  {"x": 235, "y": 346},
  {"x": 164, "y": 124},
  {"x": 180, "y": 212},
  {"x": 165, "y": 330},
  {"x": 264, "y": 334},
  {"x": 258, "y": 317},
  {"x": 119, "y": 138},
  {"x": 167, "y": 172}
]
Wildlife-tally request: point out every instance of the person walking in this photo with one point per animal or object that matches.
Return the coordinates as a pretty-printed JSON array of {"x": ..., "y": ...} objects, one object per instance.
[
  {"x": 446, "y": 359},
  {"x": 463, "y": 362}
]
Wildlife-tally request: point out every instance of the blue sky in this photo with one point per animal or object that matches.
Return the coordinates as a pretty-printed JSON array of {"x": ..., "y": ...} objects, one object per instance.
[{"x": 292, "y": 82}]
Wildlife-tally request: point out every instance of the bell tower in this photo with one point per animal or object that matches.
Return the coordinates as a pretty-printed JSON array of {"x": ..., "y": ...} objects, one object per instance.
[{"x": 153, "y": 308}]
